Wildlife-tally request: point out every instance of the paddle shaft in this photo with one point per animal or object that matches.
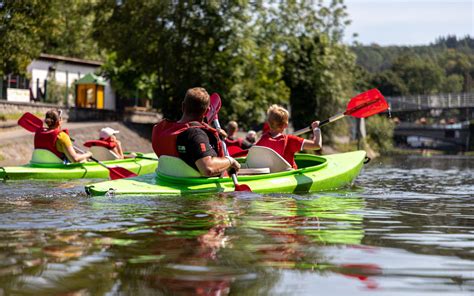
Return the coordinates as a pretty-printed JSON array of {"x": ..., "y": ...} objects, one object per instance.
[
  {"x": 226, "y": 153},
  {"x": 322, "y": 123},
  {"x": 91, "y": 157},
  {"x": 342, "y": 114}
]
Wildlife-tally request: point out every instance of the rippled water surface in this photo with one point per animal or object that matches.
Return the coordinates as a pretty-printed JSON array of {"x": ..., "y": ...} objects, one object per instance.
[{"x": 405, "y": 228}]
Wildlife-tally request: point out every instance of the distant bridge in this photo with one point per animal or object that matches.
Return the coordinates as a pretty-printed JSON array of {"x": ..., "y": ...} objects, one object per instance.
[
  {"x": 431, "y": 102},
  {"x": 440, "y": 107}
]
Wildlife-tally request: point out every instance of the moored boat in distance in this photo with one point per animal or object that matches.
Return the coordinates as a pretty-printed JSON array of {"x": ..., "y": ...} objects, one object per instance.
[{"x": 314, "y": 173}]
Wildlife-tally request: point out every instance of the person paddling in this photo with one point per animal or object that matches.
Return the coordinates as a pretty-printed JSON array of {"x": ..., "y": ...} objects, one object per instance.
[
  {"x": 108, "y": 140},
  {"x": 56, "y": 140},
  {"x": 287, "y": 145},
  {"x": 192, "y": 140}
]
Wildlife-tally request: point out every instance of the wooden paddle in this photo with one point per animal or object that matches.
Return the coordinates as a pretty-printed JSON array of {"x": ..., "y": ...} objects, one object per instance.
[
  {"x": 32, "y": 123},
  {"x": 361, "y": 106},
  {"x": 212, "y": 116}
]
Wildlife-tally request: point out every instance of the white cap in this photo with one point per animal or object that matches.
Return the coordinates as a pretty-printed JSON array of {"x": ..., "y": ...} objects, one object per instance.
[{"x": 107, "y": 132}]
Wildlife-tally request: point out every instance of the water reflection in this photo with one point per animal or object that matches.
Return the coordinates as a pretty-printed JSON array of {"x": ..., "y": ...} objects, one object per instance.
[{"x": 396, "y": 234}]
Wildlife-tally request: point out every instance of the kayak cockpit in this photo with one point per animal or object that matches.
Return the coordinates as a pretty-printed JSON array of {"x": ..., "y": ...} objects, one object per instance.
[{"x": 175, "y": 170}]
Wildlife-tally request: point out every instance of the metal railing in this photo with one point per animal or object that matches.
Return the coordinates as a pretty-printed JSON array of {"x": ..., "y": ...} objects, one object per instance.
[{"x": 427, "y": 102}]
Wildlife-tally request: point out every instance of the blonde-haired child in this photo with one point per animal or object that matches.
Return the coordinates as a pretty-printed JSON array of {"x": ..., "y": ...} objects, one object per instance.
[{"x": 283, "y": 144}]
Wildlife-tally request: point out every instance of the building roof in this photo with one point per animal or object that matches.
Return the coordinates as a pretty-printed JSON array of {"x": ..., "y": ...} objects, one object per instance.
[
  {"x": 91, "y": 78},
  {"x": 58, "y": 58}
]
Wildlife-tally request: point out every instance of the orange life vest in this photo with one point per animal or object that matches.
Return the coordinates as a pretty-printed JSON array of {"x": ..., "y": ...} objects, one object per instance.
[
  {"x": 165, "y": 134},
  {"x": 46, "y": 139}
]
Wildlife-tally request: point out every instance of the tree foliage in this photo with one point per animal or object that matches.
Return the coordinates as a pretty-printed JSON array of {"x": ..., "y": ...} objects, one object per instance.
[
  {"x": 442, "y": 67},
  {"x": 254, "y": 53},
  {"x": 69, "y": 30},
  {"x": 21, "y": 22}
]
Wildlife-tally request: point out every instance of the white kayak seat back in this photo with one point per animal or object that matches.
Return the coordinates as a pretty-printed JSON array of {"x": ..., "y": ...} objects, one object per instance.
[
  {"x": 264, "y": 157},
  {"x": 176, "y": 167},
  {"x": 102, "y": 153},
  {"x": 43, "y": 156},
  {"x": 253, "y": 171}
]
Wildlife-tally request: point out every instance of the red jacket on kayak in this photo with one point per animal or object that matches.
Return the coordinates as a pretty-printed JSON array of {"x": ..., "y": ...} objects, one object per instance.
[
  {"x": 285, "y": 145},
  {"x": 166, "y": 132},
  {"x": 46, "y": 139},
  {"x": 107, "y": 143},
  {"x": 234, "y": 142}
]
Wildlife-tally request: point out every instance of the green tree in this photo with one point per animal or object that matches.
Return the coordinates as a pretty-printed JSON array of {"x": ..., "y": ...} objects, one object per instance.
[
  {"x": 185, "y": 44},
  {"x": 380, "y": 133},
  {"x": 21, "y": 22},
  {"x": 453, "y": 84},
  {"x": 318, "y": 68},
  {"x": 420, "y": 76},
  {"x": 69, "y": 31},
  {"x": 389, "y": 83}
]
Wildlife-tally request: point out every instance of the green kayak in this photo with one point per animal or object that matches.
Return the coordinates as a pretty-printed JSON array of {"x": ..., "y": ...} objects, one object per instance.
[
  {"x": 315, "y": 173},
  {"x": 88, "y": 170}
]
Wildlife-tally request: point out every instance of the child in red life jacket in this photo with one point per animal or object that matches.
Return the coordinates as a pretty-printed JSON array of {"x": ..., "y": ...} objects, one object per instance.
[
  {"x": 107, "y": 135},
  {"x": 108, "y": 140},
  {"x": 56, "y": 140},
  {"x": 287, "y": 145}
]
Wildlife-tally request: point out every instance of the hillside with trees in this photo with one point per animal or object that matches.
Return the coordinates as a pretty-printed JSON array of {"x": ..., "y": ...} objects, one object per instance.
[{"x": 445, "y": 66}]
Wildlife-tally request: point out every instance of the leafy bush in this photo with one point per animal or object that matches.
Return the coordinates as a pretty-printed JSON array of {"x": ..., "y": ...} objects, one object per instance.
[{"x": 380, "y": 133}]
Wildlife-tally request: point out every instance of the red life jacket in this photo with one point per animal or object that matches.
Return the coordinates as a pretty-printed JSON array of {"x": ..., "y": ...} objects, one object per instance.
[
  {"x": 46, "y": 139},
  {"x": 107, "y": 143},
  {"x": 234, "y": 142},
  {"x": 166, "y": 132},
  {"x": 279, "y": 145}
]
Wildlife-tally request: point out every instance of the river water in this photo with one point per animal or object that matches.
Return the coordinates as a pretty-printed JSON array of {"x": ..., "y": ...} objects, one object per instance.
[{"x": 405, "y": 228}]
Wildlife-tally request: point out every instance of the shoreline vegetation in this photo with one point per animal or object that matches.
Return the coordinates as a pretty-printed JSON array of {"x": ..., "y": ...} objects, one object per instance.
[{"x": 252, "y": 54}]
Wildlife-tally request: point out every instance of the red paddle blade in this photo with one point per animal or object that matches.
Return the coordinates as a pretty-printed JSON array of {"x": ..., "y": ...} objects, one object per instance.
[
  {"x": 120, "y": 173},
  {"x": 242, "y": 187},
  {"x": 30, "y": 122},
  {"x": 214, "y": 107},
  {"x": 366, "y": 104}
]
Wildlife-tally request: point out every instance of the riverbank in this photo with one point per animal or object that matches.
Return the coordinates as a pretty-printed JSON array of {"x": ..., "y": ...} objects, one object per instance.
[{"x": 16, "y": 145}]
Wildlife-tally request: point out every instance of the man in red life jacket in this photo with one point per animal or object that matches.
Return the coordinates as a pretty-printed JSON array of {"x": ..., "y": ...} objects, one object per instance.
[
  {"x": 191, "y": 139},
  {"x": 287, "y": 145},
  {"x": 232, "y": 139}
]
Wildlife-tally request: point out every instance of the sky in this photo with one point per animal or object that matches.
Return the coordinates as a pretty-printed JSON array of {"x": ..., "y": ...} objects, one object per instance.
[{"x": 405, "y": 22}]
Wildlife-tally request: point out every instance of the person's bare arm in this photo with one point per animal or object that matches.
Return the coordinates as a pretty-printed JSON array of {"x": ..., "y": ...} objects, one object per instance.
[
  {"x": 317, "y": 142},
  {"x": 73, "y": 156},
  {"x": 214, "y": 166},
  {"x": 118, "y": 150}
]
